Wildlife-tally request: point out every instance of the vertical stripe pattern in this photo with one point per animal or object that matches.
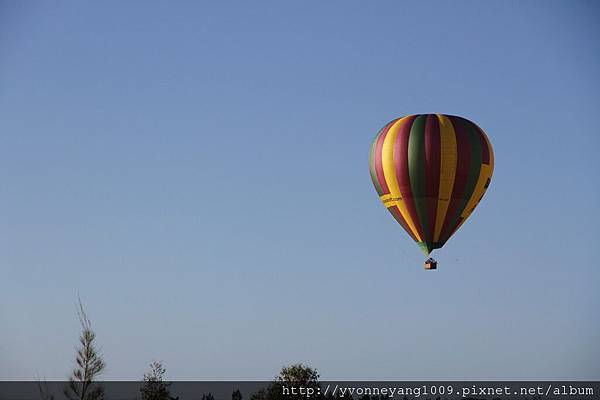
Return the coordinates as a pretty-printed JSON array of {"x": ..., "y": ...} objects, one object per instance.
[{"x": 431, "y": 171}]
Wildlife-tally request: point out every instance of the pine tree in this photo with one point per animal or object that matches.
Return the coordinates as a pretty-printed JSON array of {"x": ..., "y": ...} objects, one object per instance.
[{"x": 89, "y": 364}]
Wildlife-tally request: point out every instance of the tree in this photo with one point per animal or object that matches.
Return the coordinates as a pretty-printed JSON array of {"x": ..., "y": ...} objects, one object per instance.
[
  {"x": 89, "y": 364},
  {"x": 45, "y": 393},
  {"x": 154, "y": 387},
  {"x": 295, "y": 375},
  {"x": 298, "y": 375},
  {"x": 236, "y": 395}
]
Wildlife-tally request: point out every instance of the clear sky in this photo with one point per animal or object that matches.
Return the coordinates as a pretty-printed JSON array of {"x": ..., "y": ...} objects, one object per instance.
[{"x": 197, "y": 172}]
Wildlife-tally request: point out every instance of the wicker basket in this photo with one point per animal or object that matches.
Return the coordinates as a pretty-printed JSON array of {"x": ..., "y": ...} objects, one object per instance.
[{"x": 430, "y": 265}]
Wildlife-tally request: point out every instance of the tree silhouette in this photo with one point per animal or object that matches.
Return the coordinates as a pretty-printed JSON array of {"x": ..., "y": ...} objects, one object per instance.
[
  {"x": 298, "y": 375},
  {"x": 44, "y": 391},
  {"x": 154, "y": 387},
  {"x": 295, "y": 375},
  {"x": 89, "y": 364},
  {"x": 236, "y": 395}
]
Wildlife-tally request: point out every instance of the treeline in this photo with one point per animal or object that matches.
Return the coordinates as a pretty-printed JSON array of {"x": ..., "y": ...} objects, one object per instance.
[{"x": 84, "y": 380}]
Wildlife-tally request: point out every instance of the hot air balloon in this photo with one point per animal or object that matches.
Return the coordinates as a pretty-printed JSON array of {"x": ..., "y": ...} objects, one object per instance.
[{"x": 430, "y": 171}]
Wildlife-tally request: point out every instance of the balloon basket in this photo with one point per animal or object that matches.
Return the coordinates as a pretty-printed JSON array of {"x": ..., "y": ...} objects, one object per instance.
[{"x": 430, "y": 264}]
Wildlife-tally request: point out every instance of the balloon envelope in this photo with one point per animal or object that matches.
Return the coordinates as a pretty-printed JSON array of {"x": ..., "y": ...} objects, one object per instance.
[{"x": 431, "y": 171}]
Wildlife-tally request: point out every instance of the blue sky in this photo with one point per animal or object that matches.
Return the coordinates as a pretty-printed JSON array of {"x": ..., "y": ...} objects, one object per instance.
[{"x": 198, "y": 174}]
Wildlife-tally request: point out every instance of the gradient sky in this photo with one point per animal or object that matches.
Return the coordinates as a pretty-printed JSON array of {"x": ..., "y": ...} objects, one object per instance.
[{"x": 198, "y": 173}]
